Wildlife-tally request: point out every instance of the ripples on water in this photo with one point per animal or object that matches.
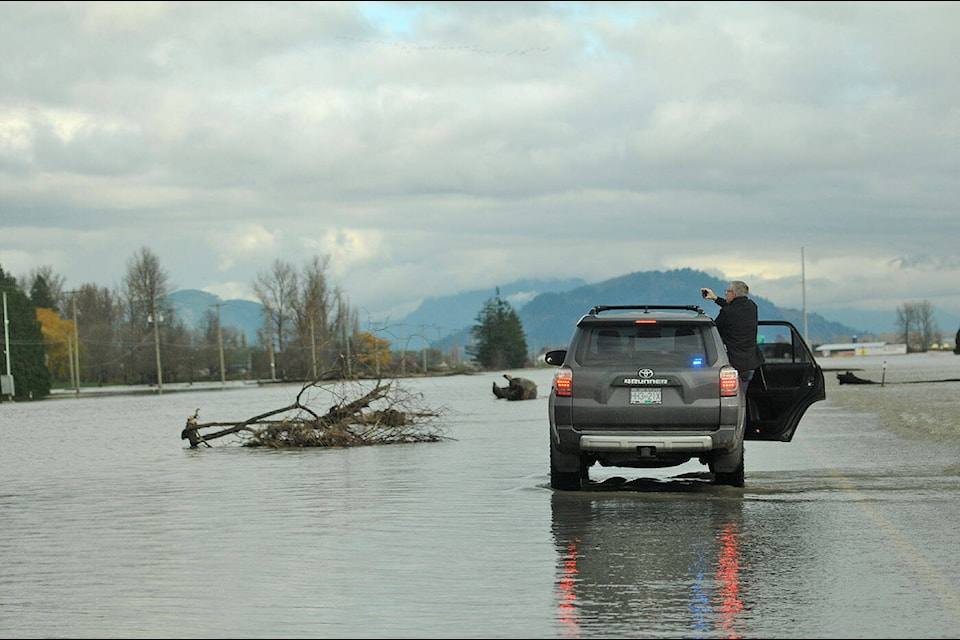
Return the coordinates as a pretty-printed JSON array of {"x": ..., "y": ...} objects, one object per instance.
[
  {"x": 113, "y": 527},
  {"x": 914, "y": 393}
]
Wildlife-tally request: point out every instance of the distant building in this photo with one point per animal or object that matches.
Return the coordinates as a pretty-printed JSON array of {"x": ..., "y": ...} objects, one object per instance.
[{"x": 860, "y": 349}]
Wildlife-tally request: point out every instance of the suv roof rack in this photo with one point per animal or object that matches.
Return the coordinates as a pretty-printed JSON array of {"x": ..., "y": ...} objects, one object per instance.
[{"x": 646, "y": 308}]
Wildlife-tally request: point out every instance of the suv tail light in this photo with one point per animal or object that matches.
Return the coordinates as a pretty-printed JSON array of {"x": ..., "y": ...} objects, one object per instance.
[
  {"x": 729, "y": 382},
  {"x": 563, "y": 382}
]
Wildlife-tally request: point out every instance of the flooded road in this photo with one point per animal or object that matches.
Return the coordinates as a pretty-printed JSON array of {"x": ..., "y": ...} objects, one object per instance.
[{"x": 113, "y": 527}]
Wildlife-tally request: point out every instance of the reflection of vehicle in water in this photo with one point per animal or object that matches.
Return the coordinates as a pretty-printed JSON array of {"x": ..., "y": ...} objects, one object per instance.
[{"x": 646, "y": 565}]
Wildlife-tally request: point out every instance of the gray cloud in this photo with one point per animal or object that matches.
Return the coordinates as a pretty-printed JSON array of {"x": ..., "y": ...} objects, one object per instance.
[{"x": 431, "y": 148}]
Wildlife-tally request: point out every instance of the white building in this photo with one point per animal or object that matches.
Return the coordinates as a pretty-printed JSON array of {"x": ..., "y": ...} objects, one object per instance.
[{"x": 860, "y": 349}]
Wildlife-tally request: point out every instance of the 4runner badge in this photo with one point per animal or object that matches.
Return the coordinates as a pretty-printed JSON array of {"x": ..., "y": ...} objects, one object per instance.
[{"x": 645, "y": 378}]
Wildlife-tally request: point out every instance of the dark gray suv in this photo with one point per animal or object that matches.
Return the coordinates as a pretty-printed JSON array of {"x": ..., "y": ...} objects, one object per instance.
[{"x": 651, "y": 386}]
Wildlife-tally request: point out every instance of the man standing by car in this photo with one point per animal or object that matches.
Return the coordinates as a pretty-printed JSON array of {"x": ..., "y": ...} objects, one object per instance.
[{"x": 737, "y": 323}]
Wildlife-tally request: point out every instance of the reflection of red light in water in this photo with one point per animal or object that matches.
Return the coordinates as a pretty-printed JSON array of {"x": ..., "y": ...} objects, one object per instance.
[
  {"x": 567, "y": 595},
  {"x": 728, "y": 575}
]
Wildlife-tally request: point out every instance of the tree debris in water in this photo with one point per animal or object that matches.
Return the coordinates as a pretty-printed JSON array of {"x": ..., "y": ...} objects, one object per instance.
[
  {"x": 384, "y": 414},
  {"x": 851, "y": 378},
  {"x": 517, "y": 389}
]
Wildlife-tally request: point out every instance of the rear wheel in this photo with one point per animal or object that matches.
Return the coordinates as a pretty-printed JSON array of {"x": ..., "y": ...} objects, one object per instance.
[
  {"x": 733, "y": 478},
  {"x": 564, "y": 480}
]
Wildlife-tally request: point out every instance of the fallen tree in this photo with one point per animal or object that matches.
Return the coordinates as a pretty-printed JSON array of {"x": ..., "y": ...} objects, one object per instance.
[
  {"x": 383, "y": 414},
  {"x": 851, "y": 378},
  {"x": 517, "y": 389}
]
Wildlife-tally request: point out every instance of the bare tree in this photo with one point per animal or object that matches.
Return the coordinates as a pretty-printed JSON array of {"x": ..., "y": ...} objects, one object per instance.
[
  {"x": 311, "y": 321},
  {"x": 100, "y": 314},
  {"x": 213, "y": 338},
  {"x": 926, "y": 325},
  {"x": 346, "y": 325},
  {"x": 906, "y": 320},
  {"x": 313, "y": 312},
  {"x": 916, "y": 325},
  {"x": 277, "y": 291},
  {"x": 146, "y": 286}
]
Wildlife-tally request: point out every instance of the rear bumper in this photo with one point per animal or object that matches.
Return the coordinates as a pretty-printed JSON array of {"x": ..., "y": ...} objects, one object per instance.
[
  {"x": 570, "y": 440},
  {"x": 672, "y": 443},
  {"x": 640, "y": 449}
]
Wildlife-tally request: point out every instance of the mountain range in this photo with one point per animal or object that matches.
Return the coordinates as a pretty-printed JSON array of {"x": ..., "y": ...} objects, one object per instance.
[
  {"x": 191, "y": 305},
  {"x": 548, "y": 309}
]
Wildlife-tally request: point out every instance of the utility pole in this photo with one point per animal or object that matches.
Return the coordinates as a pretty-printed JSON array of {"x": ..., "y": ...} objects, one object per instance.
[
  {"x": 313, "y": 347},
  {"x": 346, "y": 342},
  {"x": 803, "y": 286},
  {"x": 73, "y": 379},
  {"x": 73, "y": 345},
  {"x": 76, "y": 343},
  {"x": 403, "y": 354},
  {"x": 423, "y": 334},
  {"x": 375, "y": 331},
  {"x": 156, "y": 342},
  {"x": 223, "y": 372},
  {"x": 8, "y": 376},
  {"x": 273, "y": 361},
  {"x": 440, "y": 346}
]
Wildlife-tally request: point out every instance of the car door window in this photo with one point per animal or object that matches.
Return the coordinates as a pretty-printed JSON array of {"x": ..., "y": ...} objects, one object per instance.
[{"x": 784, "y": 387}]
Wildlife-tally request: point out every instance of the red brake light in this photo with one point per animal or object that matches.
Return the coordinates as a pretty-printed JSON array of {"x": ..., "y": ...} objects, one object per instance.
[
  {"x": 563, "y": 382},
  {"x": 729, "y": 382}
]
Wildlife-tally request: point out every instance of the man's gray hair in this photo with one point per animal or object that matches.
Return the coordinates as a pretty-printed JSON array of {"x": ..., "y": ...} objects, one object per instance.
[{"x": 739, "y": 288}]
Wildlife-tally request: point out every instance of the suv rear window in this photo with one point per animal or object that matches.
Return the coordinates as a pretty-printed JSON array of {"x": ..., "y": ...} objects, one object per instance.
[{"x": 648, "y": 344}]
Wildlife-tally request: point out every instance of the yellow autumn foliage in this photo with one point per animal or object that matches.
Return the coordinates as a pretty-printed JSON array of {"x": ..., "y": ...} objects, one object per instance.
[
  {"x": 58, "y": 334},
  {"x": 369, "y": 349}
]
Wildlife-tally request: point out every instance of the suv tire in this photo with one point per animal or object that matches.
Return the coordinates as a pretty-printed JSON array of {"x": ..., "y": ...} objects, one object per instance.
[
  {"x": 733, "y": 478},
  {"x": 565, "y": 480}
]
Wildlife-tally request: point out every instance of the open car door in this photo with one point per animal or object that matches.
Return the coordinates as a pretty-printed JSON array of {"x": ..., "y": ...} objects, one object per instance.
[{"x": 785, "y": 386}]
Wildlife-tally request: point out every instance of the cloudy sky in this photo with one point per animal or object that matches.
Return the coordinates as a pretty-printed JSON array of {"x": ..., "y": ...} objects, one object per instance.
[{"x": 430, "y": 148}]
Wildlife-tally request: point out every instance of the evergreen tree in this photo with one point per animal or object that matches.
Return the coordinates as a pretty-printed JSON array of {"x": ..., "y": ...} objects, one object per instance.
[
  {"x": 41, "y": 296},
  {"x": 31, "y": 378},
  {"x": 499, "y": 339}
]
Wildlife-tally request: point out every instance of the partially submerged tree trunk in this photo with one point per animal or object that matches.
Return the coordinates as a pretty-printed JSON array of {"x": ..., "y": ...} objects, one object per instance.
[
  {"x": 517, "y": 389},
  {"x": 382, "y": 414}
]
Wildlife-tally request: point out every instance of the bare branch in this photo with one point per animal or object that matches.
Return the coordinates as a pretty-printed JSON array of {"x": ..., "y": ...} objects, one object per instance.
[{"x": 383, "y": 414}]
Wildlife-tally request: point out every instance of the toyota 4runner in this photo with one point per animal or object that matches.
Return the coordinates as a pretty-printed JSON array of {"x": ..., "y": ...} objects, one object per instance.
[{"x": 651, "y": 386}]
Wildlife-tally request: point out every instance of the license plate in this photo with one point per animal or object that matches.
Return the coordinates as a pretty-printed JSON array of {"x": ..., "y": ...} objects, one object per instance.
[{"x": 645, "y": 396}]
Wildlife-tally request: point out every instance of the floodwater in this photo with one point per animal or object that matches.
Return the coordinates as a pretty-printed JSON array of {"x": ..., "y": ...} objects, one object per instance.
[{"x": 111, "y": 526}]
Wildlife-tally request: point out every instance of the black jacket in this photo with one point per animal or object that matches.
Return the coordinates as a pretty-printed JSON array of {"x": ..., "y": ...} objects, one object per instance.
[{"x": 737, "y": 322}]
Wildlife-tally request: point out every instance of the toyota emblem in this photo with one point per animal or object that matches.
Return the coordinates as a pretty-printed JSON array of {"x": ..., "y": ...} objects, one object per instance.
[{"x": 645, "y": 373}]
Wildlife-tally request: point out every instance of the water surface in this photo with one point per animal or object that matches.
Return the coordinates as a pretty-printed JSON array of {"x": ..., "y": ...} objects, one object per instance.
[{"x": 114, "y": 527}]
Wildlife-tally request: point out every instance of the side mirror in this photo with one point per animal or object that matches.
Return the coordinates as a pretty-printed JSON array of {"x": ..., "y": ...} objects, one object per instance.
[{"x": 555, "y": 357}]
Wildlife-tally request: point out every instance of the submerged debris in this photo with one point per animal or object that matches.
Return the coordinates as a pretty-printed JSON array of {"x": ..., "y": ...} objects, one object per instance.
[
  {"x": 850, "y": 378},
  {"x": 383, "y": 414},
  {"x": 517, "y": 389}
]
